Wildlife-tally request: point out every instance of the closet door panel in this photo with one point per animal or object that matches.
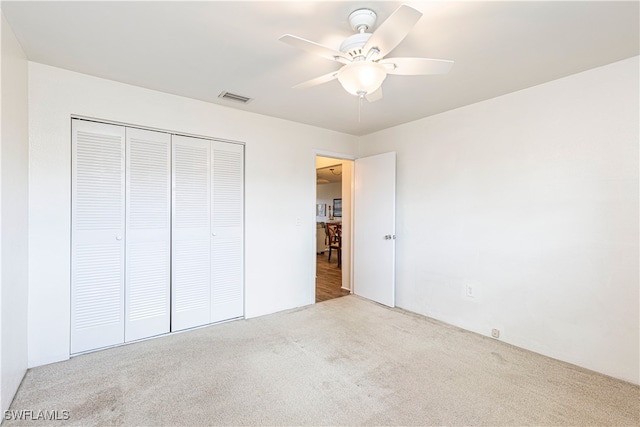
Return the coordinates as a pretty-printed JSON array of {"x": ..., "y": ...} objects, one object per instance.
[
  {"x": 227, "y": 221},
  {"x": 97, "y": 235},
  {"x": 148, "y": 243},
  {"x": 191, "y": 232}
]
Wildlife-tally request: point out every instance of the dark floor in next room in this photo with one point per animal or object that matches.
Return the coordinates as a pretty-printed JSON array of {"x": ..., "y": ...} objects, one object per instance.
[{"x": 328, "y": 278}]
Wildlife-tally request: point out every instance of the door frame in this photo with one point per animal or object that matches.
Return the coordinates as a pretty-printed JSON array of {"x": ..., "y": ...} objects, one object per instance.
[{"x": 338, "y": 156}]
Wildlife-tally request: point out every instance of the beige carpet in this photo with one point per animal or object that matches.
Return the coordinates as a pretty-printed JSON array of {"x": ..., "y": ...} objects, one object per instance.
[{"x": 346, "y": 361}]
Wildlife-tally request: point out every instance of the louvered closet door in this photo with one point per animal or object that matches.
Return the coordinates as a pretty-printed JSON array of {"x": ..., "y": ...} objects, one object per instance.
[
  {"x": 227, "y": 269},
  {"x": 148, "y": 243},
  {"x": 97, "y": 235},
  {"x": 190, "y": 290}
]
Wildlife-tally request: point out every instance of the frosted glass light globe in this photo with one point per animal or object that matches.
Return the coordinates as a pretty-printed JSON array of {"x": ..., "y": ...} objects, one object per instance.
[{"x": 362, "y": 77}]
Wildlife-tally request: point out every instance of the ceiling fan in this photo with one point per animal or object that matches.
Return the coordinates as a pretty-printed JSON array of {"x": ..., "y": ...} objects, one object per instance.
[{"x": 363, "y": 54}]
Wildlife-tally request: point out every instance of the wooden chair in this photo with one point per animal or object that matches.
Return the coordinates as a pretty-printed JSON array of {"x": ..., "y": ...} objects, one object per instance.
[{"x": 335, "y": 241}]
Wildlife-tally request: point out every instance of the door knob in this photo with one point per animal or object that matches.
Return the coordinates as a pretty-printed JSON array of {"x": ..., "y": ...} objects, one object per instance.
[{"x": 118, "y": 237}]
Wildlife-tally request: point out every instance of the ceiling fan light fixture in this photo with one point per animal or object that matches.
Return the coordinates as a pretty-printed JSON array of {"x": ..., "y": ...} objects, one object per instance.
[
  {"x": 364, "y": 55},
  {"x": 362, "y": 77}
]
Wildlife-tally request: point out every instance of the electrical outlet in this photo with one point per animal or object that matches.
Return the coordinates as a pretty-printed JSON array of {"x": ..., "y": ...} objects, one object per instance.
[
  {"x": 469, "y": 291},
  {"x": 495, "y": 333}
]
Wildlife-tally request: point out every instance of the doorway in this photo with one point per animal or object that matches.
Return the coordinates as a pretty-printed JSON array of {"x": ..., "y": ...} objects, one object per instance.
[{"x": 334, "y": 178}]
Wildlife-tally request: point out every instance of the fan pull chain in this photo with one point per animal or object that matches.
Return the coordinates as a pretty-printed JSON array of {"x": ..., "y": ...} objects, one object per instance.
[{"x": 360, "y": 104}]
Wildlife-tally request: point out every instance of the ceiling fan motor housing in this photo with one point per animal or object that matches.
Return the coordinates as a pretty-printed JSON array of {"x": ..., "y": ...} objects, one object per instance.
[{"x": 353, "y": 45}]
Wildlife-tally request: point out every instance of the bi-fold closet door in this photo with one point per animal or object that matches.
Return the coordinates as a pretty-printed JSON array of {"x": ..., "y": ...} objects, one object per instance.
[
  {"x": 123, "y": 258},
  {"x": 97, "y": 235},
  {"x": 121, "y": 235},
  {"x": 148, "y": 235},
  {"x": 207, "y": 264}
]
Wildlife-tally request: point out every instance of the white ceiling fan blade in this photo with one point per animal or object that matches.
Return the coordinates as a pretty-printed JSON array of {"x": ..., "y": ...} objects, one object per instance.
[
  {"x": 317, "y": 81},
  {"x": 315, "y": 48},
  {"x": 392, "y": 31},
  {"x": 416, "y": 66},
  {"x": 374, "y": 96}
]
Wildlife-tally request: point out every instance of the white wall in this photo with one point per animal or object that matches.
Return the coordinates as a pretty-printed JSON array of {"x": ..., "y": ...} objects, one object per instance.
[
  {"x": 278, "y": 166},
  {"x": 14, "y": 175},
  {"x": 532, "y": 198}
]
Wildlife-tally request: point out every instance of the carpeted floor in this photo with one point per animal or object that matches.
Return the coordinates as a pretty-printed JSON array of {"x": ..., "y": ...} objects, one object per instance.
[{"x": 346, "y": 361}]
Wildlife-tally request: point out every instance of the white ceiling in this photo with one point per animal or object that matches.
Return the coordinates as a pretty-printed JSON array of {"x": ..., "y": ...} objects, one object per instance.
[{"x": 199, "y": 49}]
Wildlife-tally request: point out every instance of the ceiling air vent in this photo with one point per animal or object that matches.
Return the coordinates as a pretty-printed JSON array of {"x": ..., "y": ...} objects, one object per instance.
[{"x": 234, "y": 97}]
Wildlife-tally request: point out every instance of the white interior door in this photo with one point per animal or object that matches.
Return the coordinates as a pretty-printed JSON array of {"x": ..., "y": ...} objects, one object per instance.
[
  {"x": 148, "y": 242},
  {"x": 374, "y": 228},
  {"x": 227, "y": 223},
  {"x": 191, "y": 259},
  {"x": 97, "y": 235}
]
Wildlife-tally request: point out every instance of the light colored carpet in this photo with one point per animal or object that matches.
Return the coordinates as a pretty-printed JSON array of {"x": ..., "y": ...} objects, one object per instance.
[{"x": 346, "y": 361}]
